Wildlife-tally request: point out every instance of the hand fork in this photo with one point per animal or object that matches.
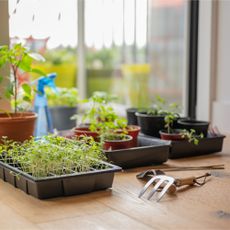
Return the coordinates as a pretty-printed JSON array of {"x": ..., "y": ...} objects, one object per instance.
[
  {"x": 160, "y": 180},
  {"x": 169, "y": 184}
]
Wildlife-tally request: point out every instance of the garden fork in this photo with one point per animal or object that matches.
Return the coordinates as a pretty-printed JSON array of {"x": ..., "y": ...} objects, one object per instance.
[{"x": 169, "y": 184}]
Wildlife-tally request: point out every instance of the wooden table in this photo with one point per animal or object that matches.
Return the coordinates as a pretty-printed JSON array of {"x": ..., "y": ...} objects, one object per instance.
[{"x": 206, "y": 207}]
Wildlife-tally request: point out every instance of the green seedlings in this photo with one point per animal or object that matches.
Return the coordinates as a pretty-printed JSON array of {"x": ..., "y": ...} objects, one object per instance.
[
  {"x": 170, "y": 118},
  {"x": 53, "y": 155},
  {"x": 191, "y": 136},
  {"x": 18, "y": 58}
]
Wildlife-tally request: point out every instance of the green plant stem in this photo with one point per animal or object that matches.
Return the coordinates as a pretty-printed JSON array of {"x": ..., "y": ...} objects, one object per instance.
[{"x": 15, "y": 88}]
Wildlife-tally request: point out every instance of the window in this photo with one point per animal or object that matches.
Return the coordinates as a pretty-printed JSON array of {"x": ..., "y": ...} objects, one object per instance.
[{"x": 133, "y": 48}]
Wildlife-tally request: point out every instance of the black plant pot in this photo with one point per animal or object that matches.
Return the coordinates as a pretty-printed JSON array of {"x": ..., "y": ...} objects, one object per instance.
[
  {"x": 150, "y": 124},
  {"x": 131, "y": 116},
  {"x": 61, "y": 117},
  {"x": 198, "y": 126}
]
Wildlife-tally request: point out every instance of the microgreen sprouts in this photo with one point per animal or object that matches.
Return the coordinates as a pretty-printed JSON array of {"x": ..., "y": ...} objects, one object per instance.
[{"x": 53, "y": 155}]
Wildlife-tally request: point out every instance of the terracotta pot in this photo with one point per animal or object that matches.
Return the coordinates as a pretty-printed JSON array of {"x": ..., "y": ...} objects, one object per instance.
[
  {"x": 79, "y": 131},
  {"x": 175, "y": 136},
  {"x": 118, "y": 144},
  {"x": 17, "y": 127},
  {"x": 133, "y": 131}
]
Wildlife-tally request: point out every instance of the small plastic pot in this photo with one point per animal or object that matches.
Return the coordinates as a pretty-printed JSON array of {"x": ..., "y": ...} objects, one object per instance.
[
  {"x": 150, "y": 124},
  {"x": 118, "y": 144},
  {"x": 131, "y": 116},
  {"x": 79, "y": 131},
  {"x": 175, "y": 136},
  {"x": 198, "y": 126}
]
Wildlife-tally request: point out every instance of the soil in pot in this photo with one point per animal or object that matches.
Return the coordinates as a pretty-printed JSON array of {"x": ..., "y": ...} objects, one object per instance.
[
  {"x": 133, "y": 131},
  {"x": 198, "y": 126},
  {"x": 176, "y": 135},
  {"x": 150, "y": 124},
  {"x": 117, "y": 141},
  {"x": 17, "y": 127},
  {"x": 79, "y": 131}
]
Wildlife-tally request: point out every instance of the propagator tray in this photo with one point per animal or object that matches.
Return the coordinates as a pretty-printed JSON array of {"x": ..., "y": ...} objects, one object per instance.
[
  {"x": 149, "y": 152},
  {"x": 64, "y": 185},
  {"x": 179, "y": 149}
]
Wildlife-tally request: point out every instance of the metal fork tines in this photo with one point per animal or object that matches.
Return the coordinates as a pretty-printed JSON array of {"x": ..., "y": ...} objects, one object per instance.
[{"x": 161, "y": 181}]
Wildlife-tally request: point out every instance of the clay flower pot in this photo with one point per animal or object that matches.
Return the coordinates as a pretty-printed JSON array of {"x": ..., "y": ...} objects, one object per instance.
[
  {"x": 117, "y": 142},
  {"x": 79, "y": 131},
  {"x": 176, "y": 135},
  {"x": 133, "y": 131},
  {"x": 17, "y": 127}
]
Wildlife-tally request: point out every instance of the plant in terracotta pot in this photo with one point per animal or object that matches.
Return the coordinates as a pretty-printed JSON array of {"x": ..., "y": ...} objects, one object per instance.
[
  {"x": 104, "y": 121},
  {"x": 18, "y": 125},
  {"x": 152, "y": 120},
  {"x": 178, "y": 134},
  {"x": 62, "y": 106}
]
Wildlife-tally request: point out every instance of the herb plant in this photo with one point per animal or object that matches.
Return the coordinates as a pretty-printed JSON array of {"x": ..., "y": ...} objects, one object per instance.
[
  {"x": 191, "y": 136},
  {"x": 162, "y": 107},
  {"x": 52, "y": 156},
  {"x": 18, "y": 58},
  {"x": 63, "y": 97},
  {"x": 169, "y": 120}
]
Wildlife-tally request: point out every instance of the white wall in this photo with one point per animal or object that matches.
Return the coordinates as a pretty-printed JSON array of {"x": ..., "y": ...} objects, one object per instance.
[
  {"x": 213, "y": 101},
  {"x": 221, "y": 103}
]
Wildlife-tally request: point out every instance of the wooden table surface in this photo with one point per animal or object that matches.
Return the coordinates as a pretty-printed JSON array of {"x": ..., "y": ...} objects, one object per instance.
[{"x": 206, "y": 207}]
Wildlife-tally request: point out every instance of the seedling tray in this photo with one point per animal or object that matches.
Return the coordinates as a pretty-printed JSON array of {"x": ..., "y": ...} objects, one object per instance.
[
  {"x": 64, "y": 185},
  {"x": 207, "y": 145},
  {"x": 149, "y": 152}
]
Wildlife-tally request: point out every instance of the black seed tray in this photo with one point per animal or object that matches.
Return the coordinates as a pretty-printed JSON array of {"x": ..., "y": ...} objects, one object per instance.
[
  {"x": 55, "y": 186},
  {"x": 148, "y": 152},
  {"x": 207, "y": 145}
]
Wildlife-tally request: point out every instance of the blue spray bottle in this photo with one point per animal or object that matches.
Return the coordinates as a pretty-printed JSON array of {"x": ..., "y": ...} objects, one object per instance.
[{"x": 44, "y": 122}]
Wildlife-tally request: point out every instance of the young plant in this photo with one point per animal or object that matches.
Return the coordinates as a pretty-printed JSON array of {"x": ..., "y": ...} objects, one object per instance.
[
  {"x": 18, "y": 58},
  {"x": 162, "y": 107},
  {"x": 191, "y": 136},
  {"x": 169, "y": 120},
  {"x": 53, "y": 155},
  {"x": 63, "y": 97}
]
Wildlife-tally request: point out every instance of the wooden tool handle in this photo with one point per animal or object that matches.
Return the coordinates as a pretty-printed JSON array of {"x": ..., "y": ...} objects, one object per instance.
[
  {"x": 172, "y": 189},
  {"x": 185, "y": 181}
]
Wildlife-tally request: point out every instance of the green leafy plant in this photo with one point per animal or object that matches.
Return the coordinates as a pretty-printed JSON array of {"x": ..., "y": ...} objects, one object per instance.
[
  {"x": 53, "y": 155},
  {"x": 63, "y": 97},
  {"x": 191, "y": 136},
  {"x": 162, "y": 107},
  {"x": 169, "y": 120},
  {"x": 18, "y": 58}
]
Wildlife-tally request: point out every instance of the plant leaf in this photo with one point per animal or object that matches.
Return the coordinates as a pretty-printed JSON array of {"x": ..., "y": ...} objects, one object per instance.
[
  {"x": 33, "y": 70},
  {"x": 37, "y": 57},
  {"x": 1, "y": 79},
  {"x": 26, "y": 98},
  {"x": 26, "y": 88}
]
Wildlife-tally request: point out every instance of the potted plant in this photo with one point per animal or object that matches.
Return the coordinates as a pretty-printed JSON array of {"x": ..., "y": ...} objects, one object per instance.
[
  {"x": 55, "y": 166},
  {"x": 62, "y": 105},
  {"x": 178, "y": 134},
  {"x": 103, "y": 120},
  {"x": 17, "y": 125},
  {"x": 152, "y": 120}
]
